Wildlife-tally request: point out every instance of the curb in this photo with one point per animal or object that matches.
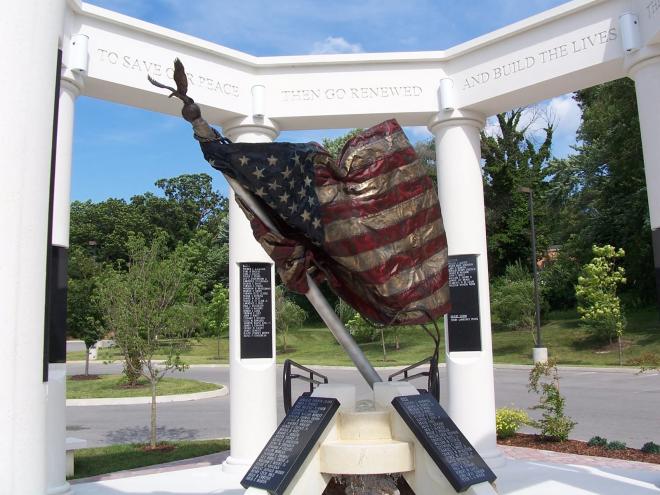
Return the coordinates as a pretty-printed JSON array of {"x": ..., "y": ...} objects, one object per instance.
[{"x": 162, "y": 399}]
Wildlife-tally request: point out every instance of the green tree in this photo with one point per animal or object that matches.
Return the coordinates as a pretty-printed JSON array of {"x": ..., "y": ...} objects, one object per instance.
[
  {"x": 151, "y": 309},
  {"x": 217, "y": 312},
  {"x": 599, "y": 193},
  {"x": 512, "y": 158},
  {"x": 512, "y": 299},
  {"x": 288, "y": 315},
  {"x": 195, "y": 193},
  {"x": 334, "y": 146},
  {"x": 84, "y": 312},
  {"x": 598, "y": 303}
]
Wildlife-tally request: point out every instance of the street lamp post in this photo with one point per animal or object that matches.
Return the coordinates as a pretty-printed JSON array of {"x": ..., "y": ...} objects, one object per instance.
[{"x": 540, "y": 353}]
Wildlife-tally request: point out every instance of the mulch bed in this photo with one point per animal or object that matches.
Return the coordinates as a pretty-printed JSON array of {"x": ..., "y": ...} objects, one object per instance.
[
  {"x": 578, "y": 447},
  {"x": 81, "y": 378}
]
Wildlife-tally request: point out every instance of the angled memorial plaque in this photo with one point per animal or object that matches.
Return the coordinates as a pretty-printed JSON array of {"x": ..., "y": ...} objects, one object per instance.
[
  {"x": 292, "y": 442},
  {"x": 443, "y": 441}
]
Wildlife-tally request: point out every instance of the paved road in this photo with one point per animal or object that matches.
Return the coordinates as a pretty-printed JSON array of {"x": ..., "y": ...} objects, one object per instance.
[{"x": 618, "y": 405}]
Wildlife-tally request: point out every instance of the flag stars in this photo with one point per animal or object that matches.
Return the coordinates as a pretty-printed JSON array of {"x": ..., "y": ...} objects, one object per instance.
[
  {"x": 308, "y": 181},
  {"x": 286, "y": 173},
  {"x": 272, "y": 160},
  {"x": 273, "y": 186},
  {"x": 284, "y": 198},
  {"x": 258, "y": 173},
  {"x": 310, "y": 200},
  {"x": 317, "y": 223},
  {"x": 302, "y": 192},
  {"x": 293, "y": 207},
  {"x": 243, "y": 160},
  {"x": 306, "y": 216},
  {"x": 260, "y": 192},
  {"x": 292, "y": 184},
  {"x": 296, "y": 159}
]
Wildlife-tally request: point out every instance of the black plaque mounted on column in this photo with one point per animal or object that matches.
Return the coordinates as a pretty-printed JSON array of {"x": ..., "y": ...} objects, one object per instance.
[
  {"x": 292, "y": 442},
  {"x": 443, "y": 441},
  {"x": 463, "y": 325},
  {"x": 256, "y": 310}
]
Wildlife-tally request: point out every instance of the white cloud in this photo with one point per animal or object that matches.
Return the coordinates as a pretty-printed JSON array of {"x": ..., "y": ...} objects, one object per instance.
[{"x": 335, "y": 44}]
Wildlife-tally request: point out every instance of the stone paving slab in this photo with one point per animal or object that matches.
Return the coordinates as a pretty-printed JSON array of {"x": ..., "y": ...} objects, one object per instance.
[{"x": 538, "y": 455}]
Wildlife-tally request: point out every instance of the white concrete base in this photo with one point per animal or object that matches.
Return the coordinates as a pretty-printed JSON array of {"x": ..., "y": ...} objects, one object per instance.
[
  {"x": 540, "y": 354},
  {"x": 516, "y": 478},
  {"x": 72, "y": 444}
]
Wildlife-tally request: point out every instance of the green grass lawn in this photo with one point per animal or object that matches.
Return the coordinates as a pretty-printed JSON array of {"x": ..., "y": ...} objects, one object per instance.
[
  {"x": 566, "y": 340},
  {"x": 101, "y": 460},
  {"x": 113, "y": 386}
]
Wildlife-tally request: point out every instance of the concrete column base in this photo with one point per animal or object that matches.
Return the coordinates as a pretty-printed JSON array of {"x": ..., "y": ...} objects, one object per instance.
[
  {"x": 64, "y": 489},
  {"x": 540, "y": 354}
]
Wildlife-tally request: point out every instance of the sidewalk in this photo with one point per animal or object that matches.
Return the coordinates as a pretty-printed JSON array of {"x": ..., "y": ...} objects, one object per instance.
[{"x": 527, "y": 472}]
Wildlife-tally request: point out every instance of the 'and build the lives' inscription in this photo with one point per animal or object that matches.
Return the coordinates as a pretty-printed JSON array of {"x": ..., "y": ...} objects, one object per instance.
[
  {"x": 443, "y": 441},
  {"x": 292, "y": 442},
  {"x": 256, "y": 310},
  {"x": 463, "y": 326}
]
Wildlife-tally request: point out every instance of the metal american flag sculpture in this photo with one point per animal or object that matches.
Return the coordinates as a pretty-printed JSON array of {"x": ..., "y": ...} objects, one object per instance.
[{"x": 368, "y": 223}]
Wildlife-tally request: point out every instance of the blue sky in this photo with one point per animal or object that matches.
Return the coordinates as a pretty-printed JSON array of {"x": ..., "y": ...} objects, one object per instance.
[{"x": 121, "y": 151}]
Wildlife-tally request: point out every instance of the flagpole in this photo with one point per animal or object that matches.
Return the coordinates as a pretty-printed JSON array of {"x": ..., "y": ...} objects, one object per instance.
[{"x": 316, "y": 298}]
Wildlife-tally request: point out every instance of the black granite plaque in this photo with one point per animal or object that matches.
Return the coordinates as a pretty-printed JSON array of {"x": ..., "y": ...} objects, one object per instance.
[
  {"x": 463, "y": 326},
  {"x": 444, "y": 442},
  {"x": 256, "y": 311},
  {"x": 291, "y": 443}
]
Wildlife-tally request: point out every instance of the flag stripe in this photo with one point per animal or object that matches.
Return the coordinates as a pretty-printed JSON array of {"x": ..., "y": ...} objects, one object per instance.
[
  {"x": 371, "y": 259},
  {"x": 382, "y": 237},
  {"x": 376, "y": 204},
  {"x": 381, "y": 165},
  {"x": 417, "y": 292},
  {"x": 402, "y": 261},
  {"x": 336, "y": 193},
  {"x": 405, "y": 279},
  {"x": 343, "y": 229}
]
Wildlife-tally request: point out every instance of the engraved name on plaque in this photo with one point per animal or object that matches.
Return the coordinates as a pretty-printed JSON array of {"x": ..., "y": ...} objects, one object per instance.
[
  {"x": 256, "y": 311},
  {"x": 463, "y": 325},
  {"x": 292, "y": 442},
  {"x": 443, "y": 441}
]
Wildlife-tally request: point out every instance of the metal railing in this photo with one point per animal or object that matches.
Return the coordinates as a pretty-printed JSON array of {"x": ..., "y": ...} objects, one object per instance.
[
  {"x": 313, "y": 378},
  {"x": 433, "y": 375}
]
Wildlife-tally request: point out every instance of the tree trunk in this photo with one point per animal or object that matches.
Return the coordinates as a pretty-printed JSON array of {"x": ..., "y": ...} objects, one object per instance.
[
  {"x": 87, "y": 362},
  {"x": 153, "y": 413},
  {"x": 284, "y": 341},
  {"x": 620, "y": 351},
  {"x": 219, "y": 335},
  {"x": 397, "y": 344},
  {"x": 382, "y": 339}
]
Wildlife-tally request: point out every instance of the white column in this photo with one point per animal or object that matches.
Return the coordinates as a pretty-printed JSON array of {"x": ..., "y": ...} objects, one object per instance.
[
  {"x": 70, "y": 88},
  {"x": 252, "y": 382},
  {"x": 646, "y": 75},
  {"x": 29, "y": 32},
  {"x": 471, "y": 392}
]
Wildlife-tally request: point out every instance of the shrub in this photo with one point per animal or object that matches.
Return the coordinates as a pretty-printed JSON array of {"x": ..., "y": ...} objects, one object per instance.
[
  {"x": 597, "y": 442},
  {"x": 598, "y": 304},
  {"x": 509, "y": 420},
  {"x": 558, "y": 278},
  {"x": 512, "y": 299},
  {"x": 616, "y": 445},
  {"x": 651, "y": 448},
  {"x": 544, "y": 380},
  {"x": 361, "y": 330}
]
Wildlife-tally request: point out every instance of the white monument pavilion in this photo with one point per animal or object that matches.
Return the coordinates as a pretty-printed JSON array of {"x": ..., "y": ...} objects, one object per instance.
[{"x": 252, "y": 99}]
